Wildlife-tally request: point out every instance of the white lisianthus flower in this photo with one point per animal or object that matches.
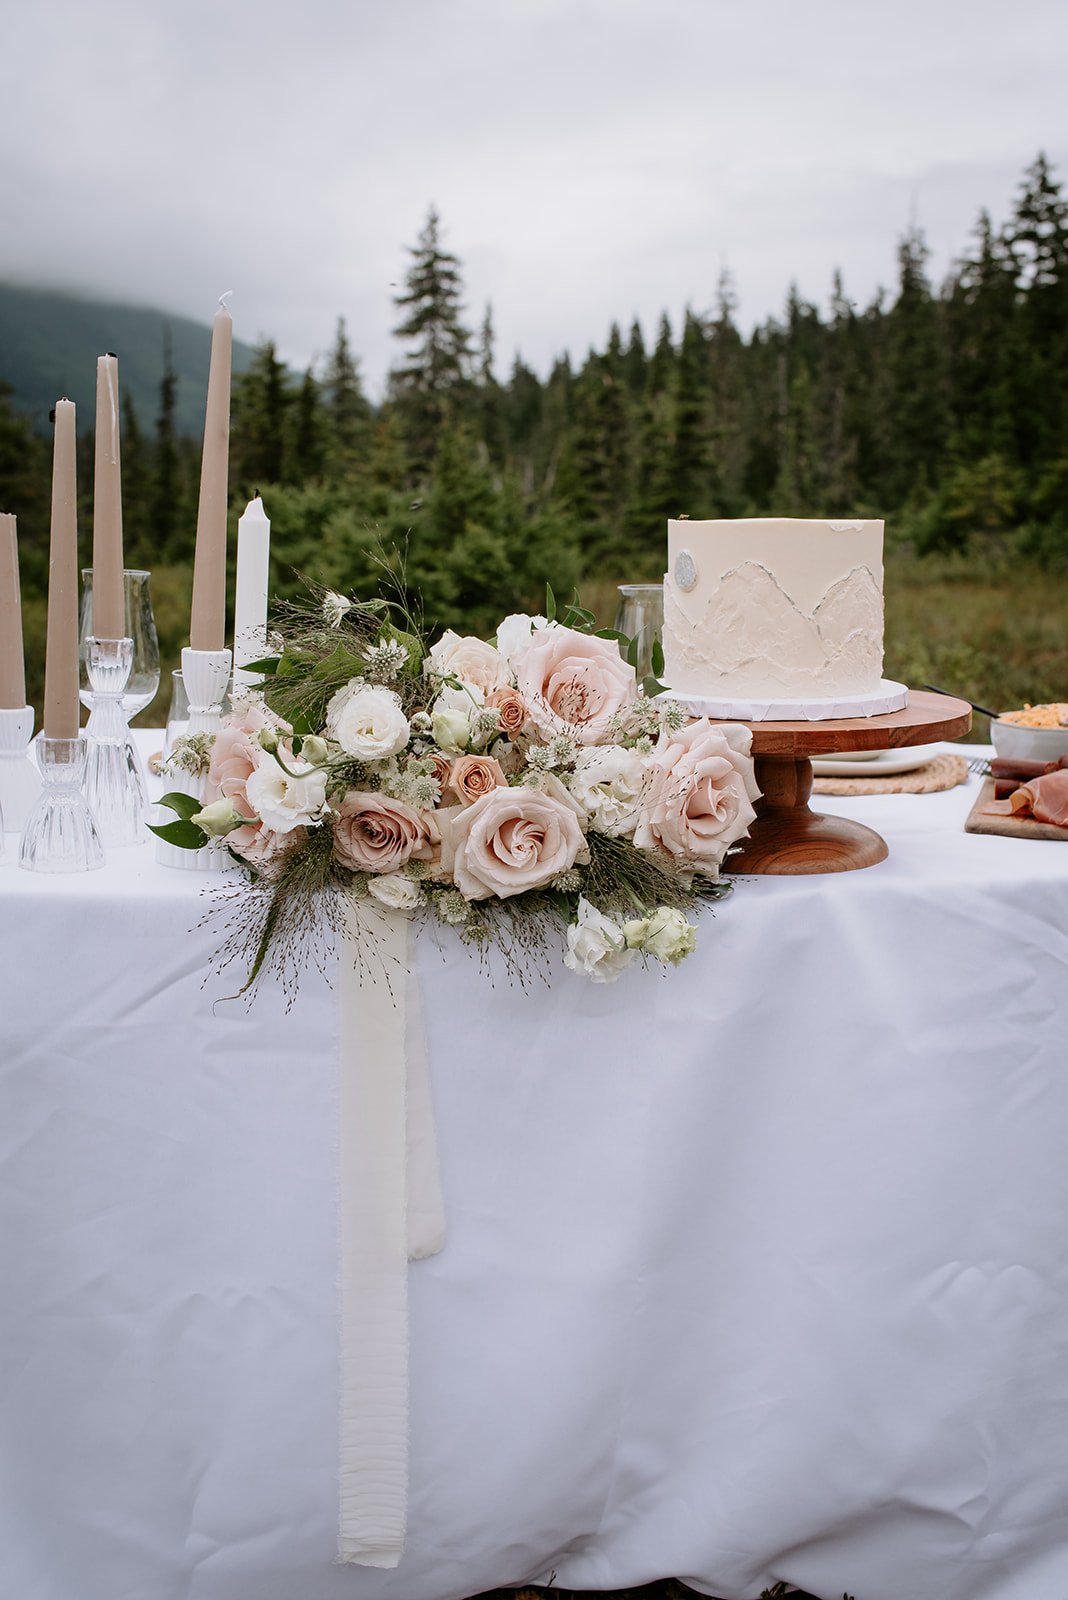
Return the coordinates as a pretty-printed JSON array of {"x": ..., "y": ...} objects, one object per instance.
[
  {"x": 314, "y": 749},
  {"x": 664, "y": 934},
  {"x": 451, "y": 731},
  {"x": 286, "y": 800},
  {"x": 395, "y": 890},
  {"x": 219, "y": 819},
  {"x": 367, "y": 721},
  {"x": 515, "y": 632},
  {"x": 596, "y": 946},
  {"x": 609, "y": 781},
  {"x": 469, "y": 659}
]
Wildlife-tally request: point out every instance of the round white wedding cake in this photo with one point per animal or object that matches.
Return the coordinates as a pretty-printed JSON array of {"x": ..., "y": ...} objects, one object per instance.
[{"x": 777, "y": 617}]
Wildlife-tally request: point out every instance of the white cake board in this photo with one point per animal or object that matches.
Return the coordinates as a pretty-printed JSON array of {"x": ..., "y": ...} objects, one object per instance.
[{"x": 889, "y": 696}]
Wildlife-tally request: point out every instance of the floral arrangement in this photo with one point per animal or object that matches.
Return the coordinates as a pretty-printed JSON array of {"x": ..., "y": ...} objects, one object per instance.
[{"x": 506, "y": 788}]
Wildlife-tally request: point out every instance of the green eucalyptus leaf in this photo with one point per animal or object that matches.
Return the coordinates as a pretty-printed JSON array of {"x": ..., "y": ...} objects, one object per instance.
[
  {"x": 632, "y": 653},
  {"x": 658, "y": 659},
  {"x": 267, "y": 667},
  {"x": 550, "y": 604}
]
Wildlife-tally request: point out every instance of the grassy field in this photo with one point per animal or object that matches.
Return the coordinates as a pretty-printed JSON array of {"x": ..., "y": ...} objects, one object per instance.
[{"x": 985, "y": 627}]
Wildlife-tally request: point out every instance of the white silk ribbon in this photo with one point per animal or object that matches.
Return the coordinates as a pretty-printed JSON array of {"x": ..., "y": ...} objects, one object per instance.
[{"x": 389, "y": 1211}]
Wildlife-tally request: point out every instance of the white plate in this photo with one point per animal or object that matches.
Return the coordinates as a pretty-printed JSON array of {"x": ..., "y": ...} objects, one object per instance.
[{"x": 884, "y": 764}]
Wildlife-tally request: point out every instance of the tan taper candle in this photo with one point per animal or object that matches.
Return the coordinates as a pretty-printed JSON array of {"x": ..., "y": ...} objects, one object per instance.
[
  {"x": 109, "y": 601},
  {"x": 207, "y": 626},
  {"x": 12, "y": 662},
  {"x": 61, "y": 651}
]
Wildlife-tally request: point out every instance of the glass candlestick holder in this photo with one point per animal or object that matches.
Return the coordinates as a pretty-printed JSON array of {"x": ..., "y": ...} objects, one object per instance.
[
  {"x": 206, "y": 675},
  {"x": 20, "y": 779},
  {"x": 114, "y": 782},
  {"x": 60, "y": 834}
]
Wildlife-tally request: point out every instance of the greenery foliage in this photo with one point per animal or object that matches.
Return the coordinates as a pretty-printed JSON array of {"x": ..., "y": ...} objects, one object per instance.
[{"x": 943, "y": 409}]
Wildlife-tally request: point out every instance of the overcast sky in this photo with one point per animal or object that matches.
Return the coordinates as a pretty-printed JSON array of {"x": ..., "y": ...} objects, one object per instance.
[{"x": 590, "y": 159}]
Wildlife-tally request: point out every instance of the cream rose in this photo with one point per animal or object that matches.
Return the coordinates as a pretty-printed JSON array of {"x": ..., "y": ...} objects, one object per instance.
[
  {"x": 510, "y": 841},
  {"x": 700, "y": 795},
  {"x": 375, "y": 833},
  {"x": 574, "y": 683},
  {"x": 395, "y": 890},
  {"x": 469, "y": 659},
  {"x": 367, "y": 721},
  {"x": 609, "y": 781},
  {"x": 473, "y": 776}
]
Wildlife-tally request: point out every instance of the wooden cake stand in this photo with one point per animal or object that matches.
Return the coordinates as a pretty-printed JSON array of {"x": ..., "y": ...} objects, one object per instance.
[{"x": 789, "y": 838}]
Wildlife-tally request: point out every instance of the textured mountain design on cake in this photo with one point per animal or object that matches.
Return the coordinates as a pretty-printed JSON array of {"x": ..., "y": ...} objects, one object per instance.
[{"x": 752, "y": 638}]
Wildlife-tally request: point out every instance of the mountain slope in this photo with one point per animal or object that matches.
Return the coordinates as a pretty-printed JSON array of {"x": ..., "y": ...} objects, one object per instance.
[{"x": 49, "y": 343}]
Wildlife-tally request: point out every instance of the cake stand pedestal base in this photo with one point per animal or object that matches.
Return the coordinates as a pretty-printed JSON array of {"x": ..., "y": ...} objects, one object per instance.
[{"x": 786, "y": 836}]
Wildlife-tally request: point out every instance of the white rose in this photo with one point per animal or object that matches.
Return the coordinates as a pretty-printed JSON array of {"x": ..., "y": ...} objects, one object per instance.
[
  {"x": 451, "y": 731},
  {"x": 395, "y": 890},
  {"x": 283, "y": 802},
  {"x": 515, "y": 632},
  {"x": 367, "y": 721},
  {"x": 610, "y": 781},
  {"x": 665, "y": 934},
  {"x": 470, "y": 659},
  {"x": 596, "y": 946}
]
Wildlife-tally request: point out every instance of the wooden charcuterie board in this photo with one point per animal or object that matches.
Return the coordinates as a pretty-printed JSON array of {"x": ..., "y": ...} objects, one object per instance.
[{"x": 981, "y": 819}]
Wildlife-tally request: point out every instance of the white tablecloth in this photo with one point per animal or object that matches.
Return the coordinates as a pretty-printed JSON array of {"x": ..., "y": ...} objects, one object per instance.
[{"x": 756, "y": 1269}]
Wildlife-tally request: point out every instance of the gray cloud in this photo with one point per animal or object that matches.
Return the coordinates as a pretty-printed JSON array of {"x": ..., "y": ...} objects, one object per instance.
[{"x": 590, "y": 159}]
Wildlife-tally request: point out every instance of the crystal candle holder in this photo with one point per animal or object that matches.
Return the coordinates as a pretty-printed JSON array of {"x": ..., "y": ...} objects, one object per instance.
[
  {"x": 60, "y": 834},
  {"x": 114, "y": 781},
  {"x": 206, "y": 674},
  {"x": 20, "y": 779}
]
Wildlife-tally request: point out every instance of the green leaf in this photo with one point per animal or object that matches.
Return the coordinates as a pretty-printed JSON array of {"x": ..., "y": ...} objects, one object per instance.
[
  {"x": 267, "y": 667},
  {"x": 550, "y": 604},
  {"x": 612, "y": 633},
  {"x": 632, "y": 653},
  {"x": 186, "y": 805},
  {"x": 341, "y": 664},
  {"x": 653, "y": 686},
  {"x": 657, "y": 662},
  {"x": 186, "y": 835}
]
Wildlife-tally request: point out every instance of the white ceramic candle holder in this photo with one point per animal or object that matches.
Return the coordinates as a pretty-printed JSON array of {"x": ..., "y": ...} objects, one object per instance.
[
  {"x": 114, "y": 780},
  {"x": 206, "y": 674},
  {"x": 60, "y": 834},
  {"x": 20, "y": 778}
]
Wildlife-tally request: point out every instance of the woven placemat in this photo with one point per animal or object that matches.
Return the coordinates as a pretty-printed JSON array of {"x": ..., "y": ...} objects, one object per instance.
[{"x": 943, "y": 772}]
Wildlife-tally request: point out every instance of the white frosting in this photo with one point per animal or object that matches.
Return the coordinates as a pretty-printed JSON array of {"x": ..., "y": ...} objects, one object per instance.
[{"x": 778, "y": 607}]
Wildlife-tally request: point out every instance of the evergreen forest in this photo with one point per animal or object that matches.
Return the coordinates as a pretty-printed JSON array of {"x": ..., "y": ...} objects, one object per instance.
[{"x": 941, "y": 407}]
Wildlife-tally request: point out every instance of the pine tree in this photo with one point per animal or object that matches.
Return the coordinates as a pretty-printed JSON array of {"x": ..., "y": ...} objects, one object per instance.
[
  {"x": 347, "y": 410},
  {"x": 437, "y": 368},
  {"x": 259, "y": 426}
]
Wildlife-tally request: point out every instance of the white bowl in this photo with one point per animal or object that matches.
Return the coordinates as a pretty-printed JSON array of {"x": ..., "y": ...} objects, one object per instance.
[{"x": 1015, "y": 742}]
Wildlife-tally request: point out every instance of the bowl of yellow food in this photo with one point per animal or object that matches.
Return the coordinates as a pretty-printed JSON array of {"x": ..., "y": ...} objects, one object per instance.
[{"x": 1034, "y": 733}]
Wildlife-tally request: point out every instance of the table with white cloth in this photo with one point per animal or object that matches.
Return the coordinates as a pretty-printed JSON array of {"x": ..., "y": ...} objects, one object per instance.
[{"x": 756, "y": 1269}]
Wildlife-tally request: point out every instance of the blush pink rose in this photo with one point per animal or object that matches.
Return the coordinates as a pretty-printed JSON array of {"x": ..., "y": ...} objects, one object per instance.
[
  {"x": 375, "y": 833},
  {"x": 700, "y": 794},
  {"x": 235, "y": 755},
  {"x": 262, "y": 847},
  {"x": 510, "y": 841},
  {"x": 574, "y": 683}
]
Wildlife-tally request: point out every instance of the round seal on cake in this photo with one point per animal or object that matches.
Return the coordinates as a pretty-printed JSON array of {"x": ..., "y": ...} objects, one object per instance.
[{"x": 685, "y": 571}]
